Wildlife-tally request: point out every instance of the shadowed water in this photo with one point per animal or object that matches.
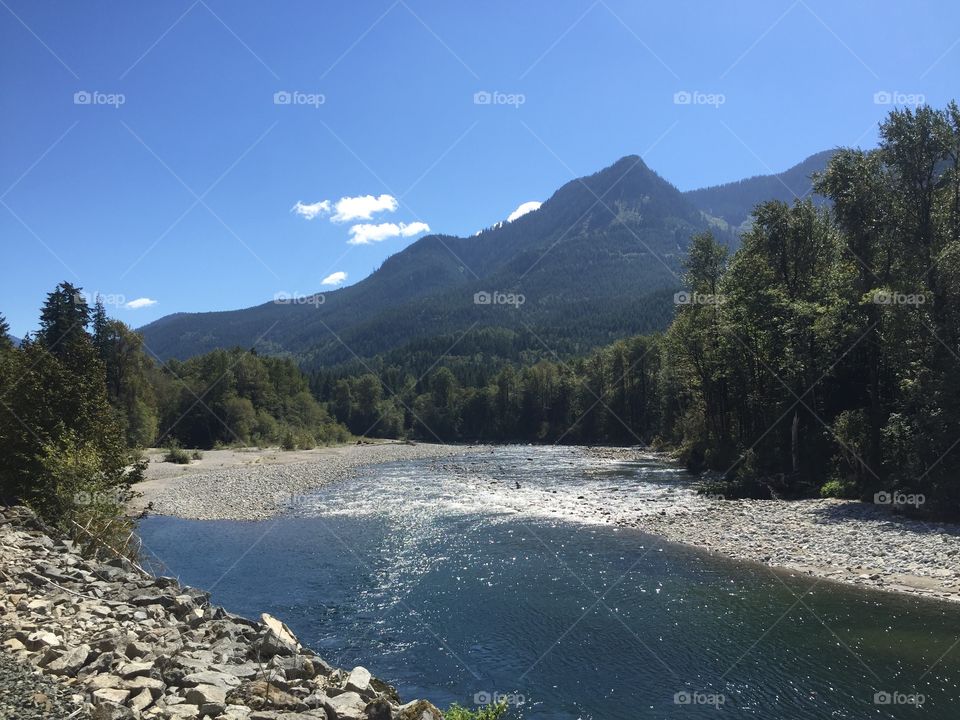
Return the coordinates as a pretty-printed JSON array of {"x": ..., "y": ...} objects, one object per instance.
[{"x": 445, "y": 579}]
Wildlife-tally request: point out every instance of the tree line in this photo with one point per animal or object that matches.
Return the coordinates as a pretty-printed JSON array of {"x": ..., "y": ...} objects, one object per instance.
[
  {"x": 820, "y": 358},
  {"x": 80, "y": 398}
]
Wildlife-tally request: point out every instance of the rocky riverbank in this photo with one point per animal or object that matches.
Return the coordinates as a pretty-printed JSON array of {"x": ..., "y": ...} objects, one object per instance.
[
  {"x": 256, "y": 484},
  {"x": 846, "y": 541},
  {"x": 113, "y": 643},
  {"x": 842, "y": 540}
]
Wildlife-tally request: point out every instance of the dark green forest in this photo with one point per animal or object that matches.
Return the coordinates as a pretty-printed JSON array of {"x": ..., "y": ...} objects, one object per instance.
[
  {"x": 80, "y": 397},
  {"x": 818, "y": 359}
]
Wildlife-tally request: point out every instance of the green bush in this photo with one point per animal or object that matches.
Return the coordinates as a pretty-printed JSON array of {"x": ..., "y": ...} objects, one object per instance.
[
  {"x": 177, "y": 455},
  {"x": 305, "y": 441},
  {"x": 838, "y": 489},
  {"x": 490, "y": 712}
]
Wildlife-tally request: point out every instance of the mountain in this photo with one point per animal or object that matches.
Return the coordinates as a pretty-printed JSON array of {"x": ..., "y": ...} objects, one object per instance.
[
  {"x": 733, "y": 202},
  {"x": 599, "y": 260}
]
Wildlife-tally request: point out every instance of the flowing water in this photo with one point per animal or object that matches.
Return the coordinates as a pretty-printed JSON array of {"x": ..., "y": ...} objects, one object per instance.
[{"x": 451, "y": 582}]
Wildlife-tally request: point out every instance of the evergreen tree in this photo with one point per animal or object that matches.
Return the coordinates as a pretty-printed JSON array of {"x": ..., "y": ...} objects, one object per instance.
[{"x": 63, "y": 319}]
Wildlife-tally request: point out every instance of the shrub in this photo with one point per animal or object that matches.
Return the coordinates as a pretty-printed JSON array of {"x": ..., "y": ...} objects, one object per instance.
[
  {"x": 490, "y": 712},
  {"x": 305, "y": 441},
  {"x": 289, "y": 441},
  {"x": 85, "y": 502},
  {"x": 177, "y": 455},
  {"x": 838, "y": 489}
]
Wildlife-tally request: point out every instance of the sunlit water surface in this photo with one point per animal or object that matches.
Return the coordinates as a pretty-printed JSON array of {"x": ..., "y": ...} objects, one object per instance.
[{"x": 447, "y": 580}]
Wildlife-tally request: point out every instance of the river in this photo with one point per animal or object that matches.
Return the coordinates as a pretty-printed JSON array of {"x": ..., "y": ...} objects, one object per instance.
[{"x": 455, "y": 591}]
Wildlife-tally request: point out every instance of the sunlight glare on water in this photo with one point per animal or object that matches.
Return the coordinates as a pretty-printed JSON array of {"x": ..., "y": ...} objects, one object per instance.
[{"x": 446, "y": 579}]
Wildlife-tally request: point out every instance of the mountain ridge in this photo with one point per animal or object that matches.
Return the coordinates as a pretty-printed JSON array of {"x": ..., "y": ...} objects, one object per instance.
[{"x": 595, "y": 262}]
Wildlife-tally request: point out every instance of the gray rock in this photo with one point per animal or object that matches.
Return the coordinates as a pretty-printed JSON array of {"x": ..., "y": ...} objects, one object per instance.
[
  {"x": 379, "y": 709},
  {"x": 207, "y": 695},
  {"x": 418, "y": 710},
  {"x": 109, "y": 711},
  {"x": 110, "y": 696},
  {"x": 70, "y": 662},
  {"x": 359, "y": 681},
  {"x": 210, "y": 677},
  {"x": 346, "y": 706}
]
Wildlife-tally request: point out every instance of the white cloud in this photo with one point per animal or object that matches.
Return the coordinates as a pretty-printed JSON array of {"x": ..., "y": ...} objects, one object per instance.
[
  {"x": 334, "y": 278},
  {"x": 524, "y": 208},
  {"x": 367, "y": 233},
  {"x": 311, "y": 210},
  {"x": 140, "y": 303},
  {"x": 362, "y": 207}
]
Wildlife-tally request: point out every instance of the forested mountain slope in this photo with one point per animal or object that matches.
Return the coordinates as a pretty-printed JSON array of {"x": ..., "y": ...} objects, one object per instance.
[{"x": 599, "y": 260}]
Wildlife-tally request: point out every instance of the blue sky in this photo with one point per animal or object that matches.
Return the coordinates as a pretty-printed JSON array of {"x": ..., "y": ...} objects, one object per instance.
[{"x": 175, "y": 184}]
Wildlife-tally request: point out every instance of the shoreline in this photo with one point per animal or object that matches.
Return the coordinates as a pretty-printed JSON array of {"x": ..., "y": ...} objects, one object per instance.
[
  {"x": 255, "y": 484},
  {"x": 842, "y": 541},
  {"x": 845, "y": 541},
  {"x": 97, "y": 639}
]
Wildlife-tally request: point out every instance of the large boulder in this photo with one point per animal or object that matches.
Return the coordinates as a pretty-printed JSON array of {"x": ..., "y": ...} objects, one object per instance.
[
  {"x": 359, "y": 682},
  {"x": 346, "y": 706},
  {"x": 70, "y": 662},
  {"x": 379, "y": 709},
  {"x": 276, "y": 638},
  {"x": 418, "y": 710}
]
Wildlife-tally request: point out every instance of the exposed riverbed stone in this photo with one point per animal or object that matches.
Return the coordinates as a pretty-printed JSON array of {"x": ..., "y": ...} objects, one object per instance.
[
  {"x": 124, "y": 645},
  {"x": 255, "y": 492}
]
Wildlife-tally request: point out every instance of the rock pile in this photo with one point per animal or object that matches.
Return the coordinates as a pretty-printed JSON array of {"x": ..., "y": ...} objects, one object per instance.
[{"x": 127, "y": 646}]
